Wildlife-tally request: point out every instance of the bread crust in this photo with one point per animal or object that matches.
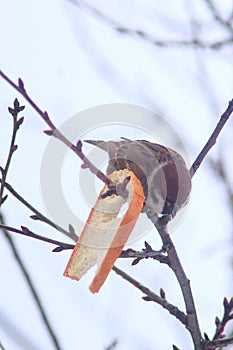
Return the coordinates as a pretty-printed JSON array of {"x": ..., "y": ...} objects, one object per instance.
[{"x": 104, "y": 234}]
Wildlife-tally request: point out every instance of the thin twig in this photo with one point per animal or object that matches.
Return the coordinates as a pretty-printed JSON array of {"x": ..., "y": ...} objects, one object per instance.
[
  {"x": 16, "y": 124},
  {"x": 26, "y": 232},
  {"x": 216, "y": 344},
  {"x": 218, "y": 17},
  {"x": 53, "y": 131},
  {"x": 227, "y": 316},
  {"x": 146, "y": 253},
  {"x": 151, "y": 296},
  {"x": 213, "y": 138},
  {"x": 39, "y": 215},
  {"x": 32, "y": 287},
  {"x": 161, "y": 43}
]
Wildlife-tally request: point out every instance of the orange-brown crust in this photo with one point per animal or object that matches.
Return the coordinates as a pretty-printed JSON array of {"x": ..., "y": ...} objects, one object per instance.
[{"x": 120, "y": 238}]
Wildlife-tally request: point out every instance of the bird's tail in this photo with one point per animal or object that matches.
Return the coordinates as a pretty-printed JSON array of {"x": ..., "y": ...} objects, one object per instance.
[
  {"x": 98, "y": 143},
  {"x": 110, "y": 147}
]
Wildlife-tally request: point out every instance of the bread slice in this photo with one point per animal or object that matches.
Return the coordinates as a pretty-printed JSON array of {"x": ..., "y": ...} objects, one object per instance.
[{"x": 105, "y": 232}]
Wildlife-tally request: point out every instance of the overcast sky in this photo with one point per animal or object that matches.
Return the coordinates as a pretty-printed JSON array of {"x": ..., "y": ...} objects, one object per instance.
[{"x": 71, "y": 59}]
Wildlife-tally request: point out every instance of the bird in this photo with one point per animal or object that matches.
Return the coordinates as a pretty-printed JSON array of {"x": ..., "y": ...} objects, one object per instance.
[{"x": 163, "y": 173}]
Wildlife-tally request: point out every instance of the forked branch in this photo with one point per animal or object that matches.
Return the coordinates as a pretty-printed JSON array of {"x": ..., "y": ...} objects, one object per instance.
[{"x": 213, "y": 138}]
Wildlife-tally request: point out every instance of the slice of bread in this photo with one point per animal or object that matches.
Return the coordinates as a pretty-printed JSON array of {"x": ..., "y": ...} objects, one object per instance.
[{"x": 106, "y": 231}]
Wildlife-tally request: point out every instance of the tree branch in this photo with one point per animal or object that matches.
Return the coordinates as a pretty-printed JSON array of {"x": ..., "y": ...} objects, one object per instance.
[
  {"x": 16, "y": 124},
  {"x": 216, "y": 344},
  {"x": 218, "y": 17},
  {"x": 53, "y": 131},
  {"x": 161, "y": 43},
  {"x": 213, "y": 138},
  {"x": 146, "y": 253},
  {"x": 175, "y": 264},
  {"x": 151, "y": 296},
  {"x": 227, "y": 316},
  {"x": 31, "y": 286},
  {"x": 166, "y": 43},
  {"x": 26, "y": 232},
  {"x": 39, "y": 216}
]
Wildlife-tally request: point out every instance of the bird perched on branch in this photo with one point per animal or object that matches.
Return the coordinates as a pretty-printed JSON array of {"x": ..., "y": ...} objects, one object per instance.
[{"x": 162, "y": 171}]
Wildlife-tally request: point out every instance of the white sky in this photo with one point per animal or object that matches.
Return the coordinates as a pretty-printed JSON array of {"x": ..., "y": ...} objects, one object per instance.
[{"x": 70, "y": 60}]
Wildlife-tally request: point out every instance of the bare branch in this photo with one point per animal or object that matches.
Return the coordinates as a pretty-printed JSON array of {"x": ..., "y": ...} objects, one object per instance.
[
  {"x": 31, "y": 286},
  {"x": 146, "y": 253},
  {"x": 16, "y": 124},
  {"x": 216, "y": 344},
  {"x": 213, "y": 138},
  {"x": 151, "y": 296},
  {"x": 227, "y": 316},
  {"x": 218, "y": 17},
  {"x": 39, "y": 216},
  {"x": 182, "y": 43},
  {"x": 53, "y": 131},
  {"x": 161, "y": 43},
  {"x": 175, "y": 265},
  {"x": 26, "y": 232}
]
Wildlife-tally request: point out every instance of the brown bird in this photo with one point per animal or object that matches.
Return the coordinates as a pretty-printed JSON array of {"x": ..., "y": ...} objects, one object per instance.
[{"x": 162, "y": 171}]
